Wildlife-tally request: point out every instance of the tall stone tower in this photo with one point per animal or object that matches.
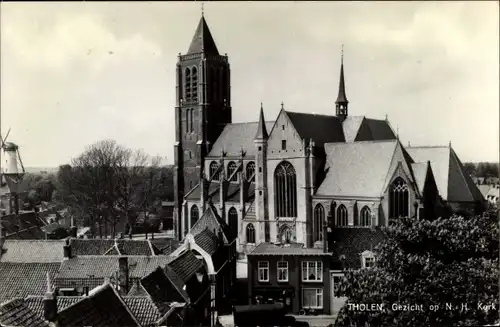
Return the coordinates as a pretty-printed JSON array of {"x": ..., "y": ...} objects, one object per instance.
[{"x": 203, "y": 108}]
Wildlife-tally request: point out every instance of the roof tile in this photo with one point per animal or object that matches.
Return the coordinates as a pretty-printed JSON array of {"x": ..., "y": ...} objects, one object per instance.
[
  {"x": 32, "y": 251},
  {"x": 17, "y": 313}
]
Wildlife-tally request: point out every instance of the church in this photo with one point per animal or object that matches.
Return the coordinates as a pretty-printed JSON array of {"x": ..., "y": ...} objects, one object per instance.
[{"x": 290, "y": 178}]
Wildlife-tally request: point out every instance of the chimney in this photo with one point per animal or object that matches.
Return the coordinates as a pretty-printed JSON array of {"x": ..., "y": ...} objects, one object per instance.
[
  {"x": 123, "y": 275},
  {"x": 67, "y": 250},
  {"x": 73, "y": 231},
  {"x": 50, "y": 302}
]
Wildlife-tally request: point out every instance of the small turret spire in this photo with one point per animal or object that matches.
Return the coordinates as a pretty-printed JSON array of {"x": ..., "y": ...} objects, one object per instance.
[
  {"x": 202, "y": 10},
  {"x": 342, "y": 102},
  {"x": 262, "y": 130}
]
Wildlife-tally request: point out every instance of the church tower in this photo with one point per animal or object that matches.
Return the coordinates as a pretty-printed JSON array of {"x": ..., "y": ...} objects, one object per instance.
[
  {"x": 203, "y": 108},
  {"x": 341, "y": 103}
]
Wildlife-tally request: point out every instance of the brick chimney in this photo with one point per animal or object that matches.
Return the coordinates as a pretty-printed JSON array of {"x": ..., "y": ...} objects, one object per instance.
[
  {"x": 50, "y": 302},
  {"x": 123, "y": 275},
  {"x": 67, "y": 250}
]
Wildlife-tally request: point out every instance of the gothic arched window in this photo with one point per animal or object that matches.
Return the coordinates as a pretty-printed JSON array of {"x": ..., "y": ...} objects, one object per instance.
[
  {"x": 231, "y": 168},
  {"x": 194, "y": 83},
  {"x": 250, "y": 170},
  {"x": 214, "y": 166},
  {"x": 191, "y": 125},
  {"x": 318, "y": 220},
  {"x": 342, "y": 217},
  {"x": 285, "y": 190},
  {"x": 233, "y": 221},
  {"x": 399, "y": 200},
  {"x": 365, "y": 217},
  {"x": 195, "y": 214},
  {"x": 187, "y": 84},
  {"x": 250, "y": 234}
]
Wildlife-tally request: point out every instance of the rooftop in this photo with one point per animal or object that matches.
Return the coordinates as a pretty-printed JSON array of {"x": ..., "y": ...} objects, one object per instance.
[{"x": 286, "y": 249}]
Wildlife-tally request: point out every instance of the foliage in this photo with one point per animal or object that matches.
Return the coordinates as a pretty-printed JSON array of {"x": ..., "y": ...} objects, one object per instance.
[
  {"x": 482, "y": 169},
  {"x": 108, "y": 184},
  {"x": 44, "y": 185},
  {"x": 452, "y": 260}
]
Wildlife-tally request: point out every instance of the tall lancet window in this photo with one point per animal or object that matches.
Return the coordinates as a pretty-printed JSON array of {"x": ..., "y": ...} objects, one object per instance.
[
  {"x": 250, "y": 170},
  {"x": 341, "y": 218},
  {"x": 214, "y": 173},
  {"x": 187, "y": 84},
  {"x": 318, "y": 221},
  {"x": 195, "y": 214},
  {"x": 366, "y": 217},
  {"x": 194, "y": 84},
  {"x": 285, "y": 190},
  {"x": 399, "y": 199},
  {"x": 233, "y": 221},
  {"x": 250, "y": 234},
  {"x": 231, "y": 168}
]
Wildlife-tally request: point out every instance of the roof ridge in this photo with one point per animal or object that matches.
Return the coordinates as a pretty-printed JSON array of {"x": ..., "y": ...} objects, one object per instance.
[
  {"x": 427, "y": 146},
  {"x": 310, "y": 114},
  {"x": 360, "y": 142}
]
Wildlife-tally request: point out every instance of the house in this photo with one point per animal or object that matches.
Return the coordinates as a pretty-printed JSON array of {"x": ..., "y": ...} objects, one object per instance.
[
  {"x": 215, "y": 243},
  {"x": 290, "y": 273},
  {"x": 492, "y": 195}
]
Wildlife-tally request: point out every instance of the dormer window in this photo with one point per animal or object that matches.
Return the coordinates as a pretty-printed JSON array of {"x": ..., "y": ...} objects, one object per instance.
[{"x": 367, "y": 259}]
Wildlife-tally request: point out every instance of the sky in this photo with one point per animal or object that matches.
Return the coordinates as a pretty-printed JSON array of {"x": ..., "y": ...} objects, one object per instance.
[{"x": 76, "y": 73}]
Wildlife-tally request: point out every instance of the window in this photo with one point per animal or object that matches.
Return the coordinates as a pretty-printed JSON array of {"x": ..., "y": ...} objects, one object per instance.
[
  {"x": 285, "y": 190},
  {"x": 214, "y": 174},
  {"x": 282, "y": 271},
  {"x": 285, "y": 234},
  {"x": 312, "y": 271},
  {"x": 283, "y": 144},
  {"x": 187, "y": 84},
  {"x": 369, "y": 262},
  {"x": 233, "y": 221},
  {"x": 260, "y": 148},
  {"x": 263, "y": 271},
  {"x": 195, "y": 214},
  {"x": 191, "y": 125},
  {"x": 312, "y": 298},
  {"x": 250, "y": 234},
  {"x": 231, "y": 168},
  {"x": 399, "y": 201},
  {"x": 194, "y": 84},
  {"x": 366, "y": 217},
  {"x": 318, "y": 219},
  {"x": 250, "y": 170},
  {"x": 190, "y": 185},
  {"x": 342, "y": 219},
  {"x": 283, "y": 127}
]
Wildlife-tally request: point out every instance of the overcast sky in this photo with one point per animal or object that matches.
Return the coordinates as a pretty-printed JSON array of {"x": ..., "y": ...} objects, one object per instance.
[{"x": 76, "y": 73}]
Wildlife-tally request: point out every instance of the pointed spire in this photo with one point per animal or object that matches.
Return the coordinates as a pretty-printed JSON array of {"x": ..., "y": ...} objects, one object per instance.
[
  {"x": 261, "y": 131},
  {"x": 342, "y": 98},
  {"x": 282, "y": 105},
  {"x": 202, "y": 40}
]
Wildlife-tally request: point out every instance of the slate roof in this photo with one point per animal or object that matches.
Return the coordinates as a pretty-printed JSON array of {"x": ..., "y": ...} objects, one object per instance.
[
  {"x": 186, "y": 265},
  {"x": 16, "y": 313},
  {"x": 160, "y": 285},
  {"x": 210, "y": 219},
  {"x": 320, "y": 128},
  {"x": 104, "y": 246},
  {"x": 351, "y": 126},
  {"x": 165, "y": 245},
  {"x": 453, "y": 183},
  {"x": 351, "y": 242},
  {"x": 234, "y": 137},
  {"x": 32, "y": 251},
  {"x": 378, "y": 130},
  {"x": 291, "y": 249},
  {"x": 103, "y": 307},
  {"x": 23, "y": 279},
  {"x": 92, "y": 270},
  {"x": 207, "y": 240},
  {"x": 202, "y": 40},
  {"x": 232, "y": 195},
  {"x": 420, "y": 173},
  {"x": 357, "y": 169}
]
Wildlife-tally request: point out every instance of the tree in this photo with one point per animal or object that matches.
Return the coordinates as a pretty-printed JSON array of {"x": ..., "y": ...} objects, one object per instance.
[
  {"x": 105, "y": 184},
  {"x": 470, "y": 168},
  {"x": 446, "y": 261}
]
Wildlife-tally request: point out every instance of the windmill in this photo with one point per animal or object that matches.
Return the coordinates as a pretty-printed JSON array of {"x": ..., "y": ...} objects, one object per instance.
[{"x": 11, "y": 172}]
